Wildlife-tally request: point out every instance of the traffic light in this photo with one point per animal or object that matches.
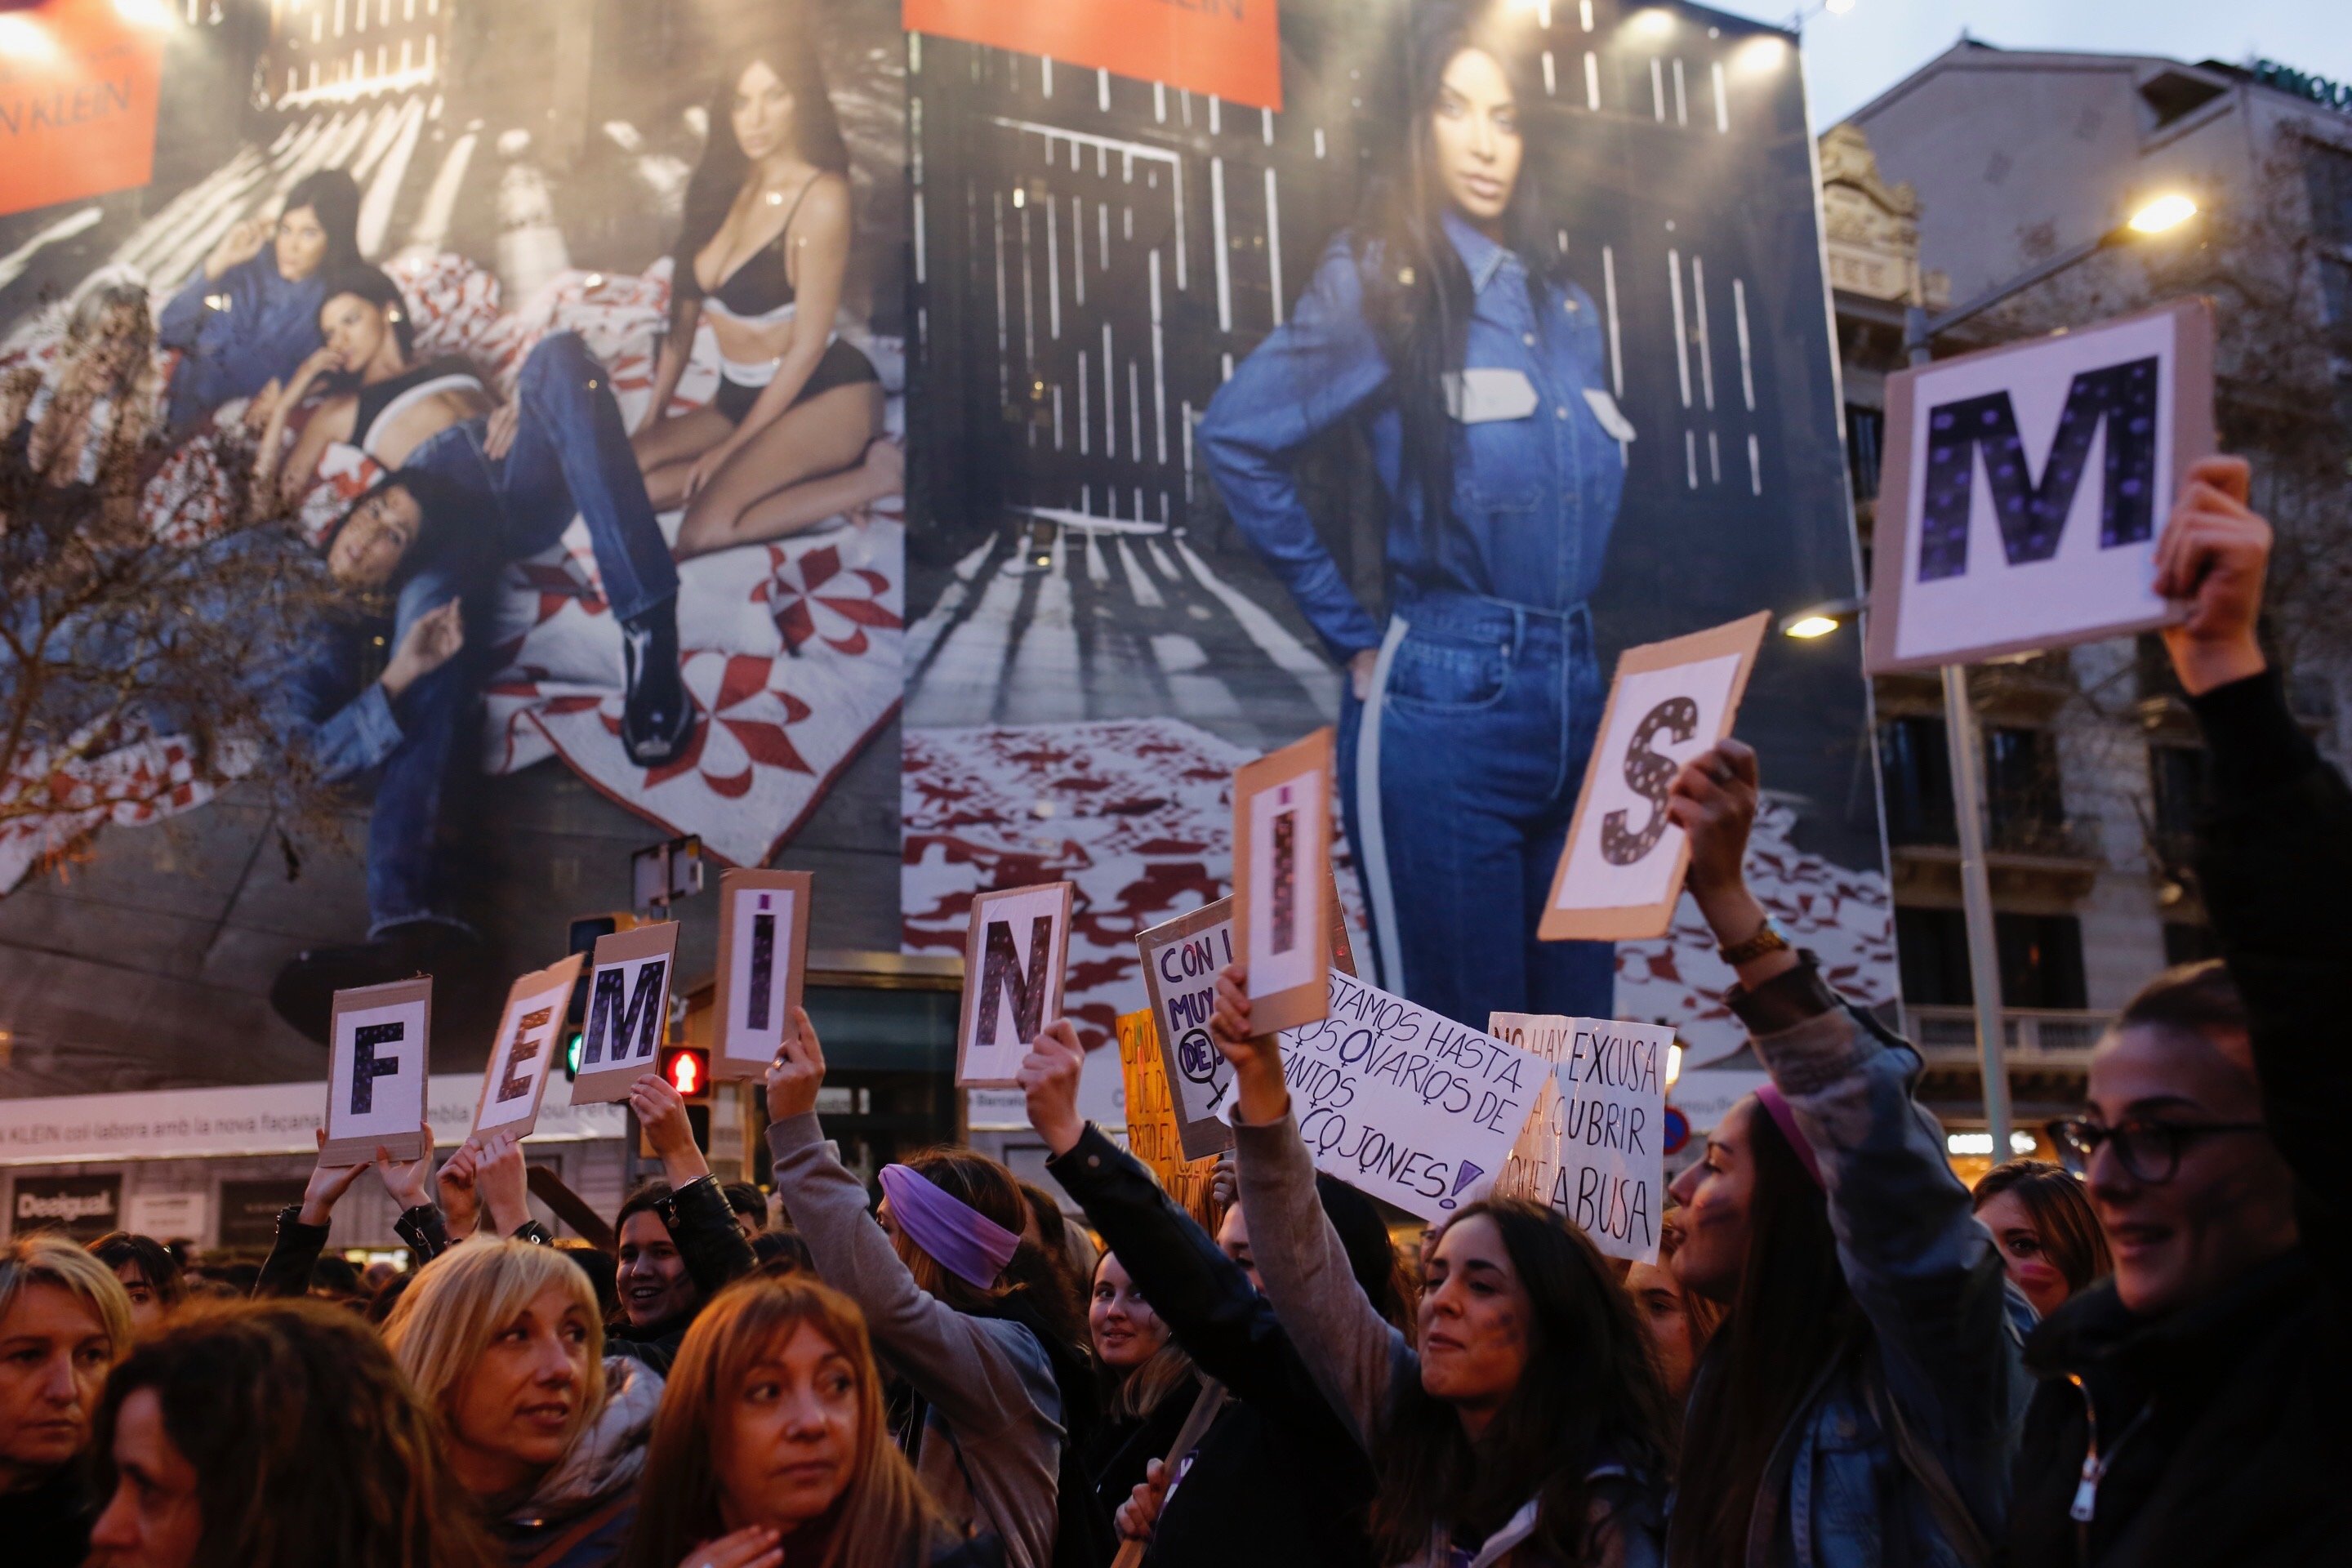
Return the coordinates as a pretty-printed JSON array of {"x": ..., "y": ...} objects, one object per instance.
[
  {"x": 585, "y": 930},
  {"x": 686, "y": 1068}
]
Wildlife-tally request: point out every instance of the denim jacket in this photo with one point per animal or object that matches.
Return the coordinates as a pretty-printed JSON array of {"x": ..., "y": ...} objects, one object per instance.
[
  {"x": 235, "y": 332},
  {"x": 1842, "y": 1491},
  {"x": 1534, "y": 492}
]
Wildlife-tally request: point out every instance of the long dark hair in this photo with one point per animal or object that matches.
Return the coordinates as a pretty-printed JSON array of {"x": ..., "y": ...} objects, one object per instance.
[
  {"x": 1032, "y": 1279},
  {"x": 1793, "y": 1321},
  {"x": 784, "y": 45},
  {"x": 1589, "y": 1395},
  {"x": 1417, "y": 292},
  {"x": 334, "y": 197},
  {"x": 2062, "y": 1218},
  {"x": 374, "y": 285}
]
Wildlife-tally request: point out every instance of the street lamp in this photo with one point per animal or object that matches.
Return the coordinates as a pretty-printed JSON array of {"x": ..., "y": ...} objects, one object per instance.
[{"x": 2161, "y": 215}]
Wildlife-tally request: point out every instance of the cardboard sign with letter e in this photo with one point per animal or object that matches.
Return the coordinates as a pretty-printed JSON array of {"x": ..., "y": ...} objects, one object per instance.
[
  {"x": 763, "y": 926},
  {"x": 376, "y": 1070},
  {"x": 628, "y": 1012},
  {"x": 1622, "y": 873},
  {"x": 2025, "y": 488},
  {"x": 1282, "y": 864},
  {"x": 1013, "y": 964},
  {"x": 530, "y": 1034}
]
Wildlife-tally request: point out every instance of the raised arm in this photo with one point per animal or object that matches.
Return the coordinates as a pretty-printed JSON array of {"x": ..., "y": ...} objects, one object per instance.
[
  {"x": 2275, "y": 852},
  {"x": 1312, "y": 371},
  {"x": 709, "y": 1240},
  {"x": 1355, "y": 1355},
  {"x": 280, "y": 477},
  {"x": 961, "y": 1365}
]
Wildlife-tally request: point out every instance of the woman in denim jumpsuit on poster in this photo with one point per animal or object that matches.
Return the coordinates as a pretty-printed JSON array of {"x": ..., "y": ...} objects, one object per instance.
[{"x": 1479, "y": 375}]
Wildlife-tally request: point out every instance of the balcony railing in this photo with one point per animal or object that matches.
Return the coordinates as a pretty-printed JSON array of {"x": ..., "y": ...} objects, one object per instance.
[{"x": 2056, "y": 1037}]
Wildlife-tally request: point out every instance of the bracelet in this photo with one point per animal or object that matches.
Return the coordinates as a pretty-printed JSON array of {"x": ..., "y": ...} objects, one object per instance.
[{"x": 1768, "y": 939}]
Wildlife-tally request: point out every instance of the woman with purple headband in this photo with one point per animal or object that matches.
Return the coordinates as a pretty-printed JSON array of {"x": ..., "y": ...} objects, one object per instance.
[
  {"x": 1855, "y": 1404},
  {"x": 969, "y": 1314}
]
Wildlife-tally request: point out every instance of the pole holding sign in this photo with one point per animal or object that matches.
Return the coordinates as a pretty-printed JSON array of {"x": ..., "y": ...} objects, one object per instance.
[
  {"x": 1621, "y": 874},
  {"x": 1013, "y": 960},
  {"x": 1282, "y": 866},
  {"x": 521, "y": 1057},
  {"x": 376, "y": 1070},
  {"x": 764, "y": 927},
  {"x": 2025, "y": 488},
  {"x": 628, "y": 1012}
]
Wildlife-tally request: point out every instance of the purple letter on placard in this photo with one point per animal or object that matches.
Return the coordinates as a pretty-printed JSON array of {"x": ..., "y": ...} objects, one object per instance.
[
  {"x": 1001, "y": 970},
  {"x": 638, "y": 1020},
  {"x": 763, "y": 967},
  {"x": 1648, "y": 774},
  {"x": 367, "y": 1067},
  {"x": 1285, "y": 879},
  {"x": 2033, "y": 514},
  {"x": 514, "y": 1084}
]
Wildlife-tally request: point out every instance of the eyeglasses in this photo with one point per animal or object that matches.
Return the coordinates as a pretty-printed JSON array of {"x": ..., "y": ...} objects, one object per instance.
[{"x": 2150, "y": 1151}]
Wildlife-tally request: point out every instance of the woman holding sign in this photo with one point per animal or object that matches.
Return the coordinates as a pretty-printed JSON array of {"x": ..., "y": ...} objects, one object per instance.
[
  {"x": 1446, "y": 327},
  {"x": 1530, "y": 1426},
  {"x": 1858, "y": 1396}
]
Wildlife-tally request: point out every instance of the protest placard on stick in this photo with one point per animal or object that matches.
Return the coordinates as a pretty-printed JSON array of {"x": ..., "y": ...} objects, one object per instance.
[
  {"x": 524, "y": 1053},
  {"x": 1282, "y": 863},
  {"x": 1413, "y": 1108},
  {"x": 1014, "y": 957},
  {"x": 2026, "y": 486},
  {"x": 1153, "y": 1135},
  {"x": 376, "y": 1069},
  {"x": 628, "y": 1011},
  {"x": 1592, "y": 1150},
  {"x": 1621, "y": 871},
  {"x": 763, "y": 931}
]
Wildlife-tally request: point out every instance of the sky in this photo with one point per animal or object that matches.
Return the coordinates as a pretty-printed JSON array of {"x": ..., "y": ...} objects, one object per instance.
[{"x": 1850, "y": 59}]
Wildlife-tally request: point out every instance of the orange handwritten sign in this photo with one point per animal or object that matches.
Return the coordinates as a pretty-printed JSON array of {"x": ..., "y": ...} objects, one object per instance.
[
  {"x": 1227, "y": 47},
  {"x": 78, "y": 92},
  {"x": 1151, "y": 1135}
]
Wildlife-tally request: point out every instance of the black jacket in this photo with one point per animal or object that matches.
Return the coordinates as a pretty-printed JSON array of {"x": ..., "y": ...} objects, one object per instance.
[
  {"x": 715, "y": 1252},
  {"x": 1278, "y": 1482},
  {"x": 2225, "y": 1424},
  {"x": 48, "y": 1525}
]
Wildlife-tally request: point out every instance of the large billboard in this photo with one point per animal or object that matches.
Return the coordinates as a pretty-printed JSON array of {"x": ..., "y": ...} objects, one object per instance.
[{"x": 587, "y": 350}]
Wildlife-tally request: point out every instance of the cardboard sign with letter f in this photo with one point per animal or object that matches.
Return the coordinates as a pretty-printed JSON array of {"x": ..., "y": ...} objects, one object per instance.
[{"x": 376, "y": 1071}]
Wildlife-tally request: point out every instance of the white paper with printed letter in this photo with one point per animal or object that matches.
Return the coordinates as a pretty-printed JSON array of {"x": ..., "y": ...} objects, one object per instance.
[
  {"x": 531, "y": 1033},
  {"x": 1402, "y": 1103},
  {"x": 376, "y": 1069},
  {"x": 1013, "y": 959},
  {"x": 1592, "y": 1148}
]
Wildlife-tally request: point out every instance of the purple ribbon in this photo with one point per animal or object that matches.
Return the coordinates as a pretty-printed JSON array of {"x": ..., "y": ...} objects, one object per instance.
[
  {"x": 1776, "y": 1106},
  {"x": 959, "y": 1237}
]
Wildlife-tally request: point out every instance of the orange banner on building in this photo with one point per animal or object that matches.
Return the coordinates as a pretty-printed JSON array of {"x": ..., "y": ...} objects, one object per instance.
[
  {"x": 1228, "y": 48},
  {"x": 79, "y": 83}
]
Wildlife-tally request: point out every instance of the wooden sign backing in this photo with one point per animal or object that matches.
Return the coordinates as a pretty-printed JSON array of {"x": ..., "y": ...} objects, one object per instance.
[
  {"x": 744, "y": 1052},
  {"x": 1304, "y": 864},
  {"x": 345, "y": 1147},
  {"x": 1634, "y": 922},
  {"x": 992, "y": 1066},
  {"x": 607, "y": 1080}
]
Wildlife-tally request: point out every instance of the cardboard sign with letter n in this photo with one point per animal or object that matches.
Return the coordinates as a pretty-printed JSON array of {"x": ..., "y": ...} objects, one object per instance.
[
  {"x": 2025, "y": 488},
  {"x": 1012, "y": 964}
]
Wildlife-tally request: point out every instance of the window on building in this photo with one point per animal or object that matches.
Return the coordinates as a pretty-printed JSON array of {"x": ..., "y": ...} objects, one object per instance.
[
  {"x": 2328, "y": 174},
  {"x": 2335, "y": 297},
  {"x": 2023, "y": 796},
  {"x": 2186, "y": 943},
  {"x": 2040, "y": 958},
  {"x": 1865, "y": 439},
  {"x": 1915, "y": 767}
]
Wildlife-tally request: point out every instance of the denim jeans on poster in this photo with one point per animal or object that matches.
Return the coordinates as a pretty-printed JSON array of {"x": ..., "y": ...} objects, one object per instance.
[{"x": 1485, "y": 723}]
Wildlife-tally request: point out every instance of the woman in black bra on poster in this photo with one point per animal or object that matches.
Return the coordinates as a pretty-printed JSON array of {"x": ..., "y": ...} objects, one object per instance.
[{"x": 794, "y": 435}]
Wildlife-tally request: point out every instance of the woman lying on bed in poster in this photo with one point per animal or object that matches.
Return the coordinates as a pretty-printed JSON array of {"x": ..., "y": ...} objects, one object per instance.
[{"x": 794, "y": 435}]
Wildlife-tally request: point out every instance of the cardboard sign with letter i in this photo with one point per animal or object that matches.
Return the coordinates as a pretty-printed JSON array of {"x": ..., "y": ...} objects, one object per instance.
[
  {"x": 1013, "y": 960},
  {"x": 628, "y": 1012},
  {"x": 376, "y": 1071},
  {"x": 2026, "y": 486},
  {"x": 1281, "y": 871},
  {"x": 1622, "y": 872},
  {"x": 529, "y": 1033},
  {"x": 763, "y": 926}
]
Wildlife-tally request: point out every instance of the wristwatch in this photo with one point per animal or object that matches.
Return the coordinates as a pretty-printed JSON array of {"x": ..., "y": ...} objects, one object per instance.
[{"x": 1768, "y": 939}]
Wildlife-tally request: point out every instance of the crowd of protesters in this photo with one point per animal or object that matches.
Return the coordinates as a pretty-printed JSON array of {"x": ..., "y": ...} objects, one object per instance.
[{"x": 1843, "y": 1356}]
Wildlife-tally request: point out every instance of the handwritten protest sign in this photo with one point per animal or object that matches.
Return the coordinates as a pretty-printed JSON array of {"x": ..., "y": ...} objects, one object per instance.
[
  {"x": 2025, "y": 488},
  {"x": 1152, "y": 1133},
  {"x": 524, "y": 1051},
  {"x": 1282, "y": 861},
  {"x": 1414, "y": 1109},
  {"x": 763, "y": 931},
  {"x": 1621, "y": 871},
  {"x": 628, "y": 1012},
  {"x": 1012, "y": 962},
  {"x": 376, "y": 1071},
  {"x": 1593, "y": 1149}
]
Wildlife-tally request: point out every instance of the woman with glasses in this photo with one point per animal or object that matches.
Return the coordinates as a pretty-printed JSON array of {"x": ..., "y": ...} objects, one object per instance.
[
  {"x": 1854, "y": 1406},
  {"x": 2192, "y": 1410}
]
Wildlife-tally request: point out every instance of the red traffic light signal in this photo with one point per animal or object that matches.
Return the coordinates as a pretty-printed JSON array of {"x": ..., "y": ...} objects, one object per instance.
[{"x": 686, "y": 1068}]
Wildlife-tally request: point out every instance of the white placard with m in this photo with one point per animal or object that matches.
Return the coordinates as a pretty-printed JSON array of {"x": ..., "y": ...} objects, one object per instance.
[
  {"x": 1402, "y": 1103},
  {"x": 1592, "y": 1148}
]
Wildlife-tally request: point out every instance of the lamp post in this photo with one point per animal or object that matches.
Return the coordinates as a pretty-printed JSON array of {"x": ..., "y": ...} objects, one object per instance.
[{"x": 1960, "y": 730}]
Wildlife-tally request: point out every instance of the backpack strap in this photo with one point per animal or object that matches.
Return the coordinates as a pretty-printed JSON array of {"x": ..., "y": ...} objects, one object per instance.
[{"x": 582, "y": 1528}]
